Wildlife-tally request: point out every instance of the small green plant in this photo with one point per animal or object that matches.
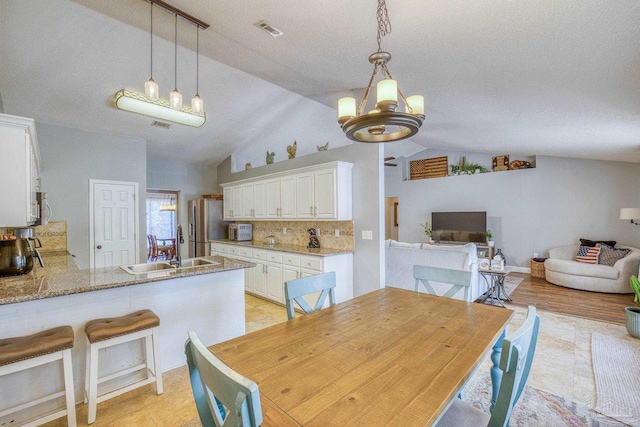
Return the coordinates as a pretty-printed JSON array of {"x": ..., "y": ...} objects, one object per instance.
[
  {"x": 489, "y": 235},
  {"x": 427, "y": 228},
  {"x": 635, "y": 285}
]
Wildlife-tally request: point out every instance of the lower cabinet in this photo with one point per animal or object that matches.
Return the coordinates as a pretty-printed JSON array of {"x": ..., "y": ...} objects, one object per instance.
[{"x": 274, "y": 268}]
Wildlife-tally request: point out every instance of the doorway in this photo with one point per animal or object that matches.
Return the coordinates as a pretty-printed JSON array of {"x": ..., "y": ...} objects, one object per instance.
[
  {"x": 113, "y": 223},
  {"x": 162, "y": 222},
  {"x": 391, "y": 220}
]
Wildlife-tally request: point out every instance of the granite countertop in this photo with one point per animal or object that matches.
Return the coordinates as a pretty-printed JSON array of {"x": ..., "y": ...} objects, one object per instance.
[
  {"x": 61, "y": 276},
  {"x": 282, "y": 247}
]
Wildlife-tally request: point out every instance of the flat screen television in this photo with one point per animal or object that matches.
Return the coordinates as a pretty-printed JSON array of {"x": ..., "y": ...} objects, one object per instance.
[{"x": 459, "y": 227}]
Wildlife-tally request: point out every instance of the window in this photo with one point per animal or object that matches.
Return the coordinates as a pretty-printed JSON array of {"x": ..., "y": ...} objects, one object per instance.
[{"x": 162, "y": 214}]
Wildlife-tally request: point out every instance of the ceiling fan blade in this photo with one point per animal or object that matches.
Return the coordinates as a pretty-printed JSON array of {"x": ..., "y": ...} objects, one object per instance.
[{"x": 390, "y": 164}]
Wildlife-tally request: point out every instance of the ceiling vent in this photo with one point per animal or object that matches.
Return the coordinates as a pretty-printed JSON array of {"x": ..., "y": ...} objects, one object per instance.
[
  {"x": 160, "y": 124},
  {"x": 273, "y": 31}
]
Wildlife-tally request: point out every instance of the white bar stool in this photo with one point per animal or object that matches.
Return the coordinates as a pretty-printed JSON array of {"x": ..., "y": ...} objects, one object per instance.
[
  {"x": 108, "y": 332},
  {"x": 21, "y": 353}
]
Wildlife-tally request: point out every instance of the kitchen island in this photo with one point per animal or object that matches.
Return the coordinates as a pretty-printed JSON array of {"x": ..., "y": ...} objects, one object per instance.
[{"x": 208, "y": 299}]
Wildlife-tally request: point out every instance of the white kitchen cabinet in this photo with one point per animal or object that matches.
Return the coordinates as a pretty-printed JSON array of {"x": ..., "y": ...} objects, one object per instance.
[
  {"x": 274, "y": 268},
  {"x": 288, "y": 197},
  {"x": 21, "y": 181},
  {"x": 272, "y": 195},
  {"x": 227, "y": 203},
  {"x": 260, "y": 200},
  {"x": 305, "y": 195},
  {"x": 322, "y": 192}
]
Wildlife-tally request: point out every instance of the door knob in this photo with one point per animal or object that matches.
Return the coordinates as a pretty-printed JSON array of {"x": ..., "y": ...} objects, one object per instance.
[{"x": 99, "y": 246}]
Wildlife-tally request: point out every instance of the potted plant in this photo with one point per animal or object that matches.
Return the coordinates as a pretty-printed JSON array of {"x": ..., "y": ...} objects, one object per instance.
[
  {"x": 633, "y": 313},
  {"x": 427, "y": 230},
  {"x": 489, "y": 237}
]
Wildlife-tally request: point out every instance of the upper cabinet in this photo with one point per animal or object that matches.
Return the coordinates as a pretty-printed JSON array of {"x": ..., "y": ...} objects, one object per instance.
[
  {"x": 321, "y": 192},
  {"x": 21, "y": 180}
]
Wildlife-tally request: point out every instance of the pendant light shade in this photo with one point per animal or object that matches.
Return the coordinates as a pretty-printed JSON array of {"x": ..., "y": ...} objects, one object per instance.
[
  {"x": 197, "y": 104},
  {"x": 175, "y": 98}
]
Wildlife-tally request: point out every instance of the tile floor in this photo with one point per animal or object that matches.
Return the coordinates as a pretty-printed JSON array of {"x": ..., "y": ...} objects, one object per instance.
[{"x": 562, "y": 366}]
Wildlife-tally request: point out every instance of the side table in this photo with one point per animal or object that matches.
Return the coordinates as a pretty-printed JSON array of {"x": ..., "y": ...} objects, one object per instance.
[{"x": 495, "y": 286}]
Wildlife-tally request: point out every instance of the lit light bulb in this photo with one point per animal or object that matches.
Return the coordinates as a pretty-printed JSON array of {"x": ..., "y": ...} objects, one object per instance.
[
  {"x": 151, "y": 89},
  {"x": 175, "y": 99},
  {"x": 346, "y": 108},
  {"x": 197, "y": 105},
  {"x": 416, "y": 102}
]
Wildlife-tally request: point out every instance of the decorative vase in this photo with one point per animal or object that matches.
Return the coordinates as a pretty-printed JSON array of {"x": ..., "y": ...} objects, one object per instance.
[
  {"x": 490, "y": 243},
  {"x": 633, "y": 321},
  {"x": 500, "y": 255}
]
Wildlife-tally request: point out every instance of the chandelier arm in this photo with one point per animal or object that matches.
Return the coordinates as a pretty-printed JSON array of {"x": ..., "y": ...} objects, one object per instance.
[
  {"x": 386, "y": 71},
  {"x": 363, "y": 103}
]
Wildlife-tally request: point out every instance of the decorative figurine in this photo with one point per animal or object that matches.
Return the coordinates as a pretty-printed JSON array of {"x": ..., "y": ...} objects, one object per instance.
[
  {"x": 247, "y": 166},
  {"x": 314, "y": 243},
  {"x": 291, "y": 149},
  {"x": 323, "y": 147},
  {"x": 270, "y": 157}
]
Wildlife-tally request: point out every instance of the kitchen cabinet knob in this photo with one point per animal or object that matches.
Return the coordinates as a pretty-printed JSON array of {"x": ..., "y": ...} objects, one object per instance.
[{"x": 99, "y": 247}]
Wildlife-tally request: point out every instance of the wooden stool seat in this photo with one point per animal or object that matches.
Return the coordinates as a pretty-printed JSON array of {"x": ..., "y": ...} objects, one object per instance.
[
  {"x": 21, "y": 348},
  {"x": 111, "y": 327},
  {"x": 113, "y": 331},
  {"x": 42, "y": 348}
]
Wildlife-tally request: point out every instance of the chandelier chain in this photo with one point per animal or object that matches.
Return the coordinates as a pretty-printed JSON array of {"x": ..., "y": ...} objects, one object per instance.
[{"x": 384, "y": 25}]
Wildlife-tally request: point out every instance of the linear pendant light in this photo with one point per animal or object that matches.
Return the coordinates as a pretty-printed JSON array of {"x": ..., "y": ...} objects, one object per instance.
[{"x": 149, "y": 103}]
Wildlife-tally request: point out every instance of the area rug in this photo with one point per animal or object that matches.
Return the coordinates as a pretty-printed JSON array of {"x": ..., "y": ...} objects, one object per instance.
[
  {"x": 536, "y": 407},
  {"x": 511, "y": 283},
  {"x": 616, "y": 366}
]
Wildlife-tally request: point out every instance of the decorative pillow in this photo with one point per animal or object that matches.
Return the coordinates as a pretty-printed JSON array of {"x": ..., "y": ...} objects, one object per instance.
[
  {"x": 588, "y": 255},
  {"x": 609, "y": 255},
  {"x": 395, "y": 244},
  {"x": 592, "y": 243}
]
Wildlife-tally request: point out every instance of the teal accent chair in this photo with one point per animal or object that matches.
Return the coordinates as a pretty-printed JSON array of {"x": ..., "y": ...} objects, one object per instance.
[
  {"x": 517, "y": 355},
  {"x": 223, "y": 397},
  {"x": 295, "y": 289},
  {"x": 458, "y": 280}
]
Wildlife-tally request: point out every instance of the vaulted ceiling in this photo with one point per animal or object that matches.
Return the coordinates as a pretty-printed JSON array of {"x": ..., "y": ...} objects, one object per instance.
[{"x": 542, "y": 77}]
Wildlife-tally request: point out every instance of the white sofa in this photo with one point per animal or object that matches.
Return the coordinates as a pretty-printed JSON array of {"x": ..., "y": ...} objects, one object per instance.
[
  {"x": 400, "y": 258},
  {"x": 562, "y": 269}
]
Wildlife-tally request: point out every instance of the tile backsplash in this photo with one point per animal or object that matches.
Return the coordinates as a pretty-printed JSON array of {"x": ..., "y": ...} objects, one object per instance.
[
  {"x": 297, "y": 233},
  {"x": 53, "y": 235}
]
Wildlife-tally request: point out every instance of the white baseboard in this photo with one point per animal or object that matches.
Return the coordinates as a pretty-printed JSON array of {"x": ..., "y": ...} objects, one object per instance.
[{"x": 515, "y": 269}]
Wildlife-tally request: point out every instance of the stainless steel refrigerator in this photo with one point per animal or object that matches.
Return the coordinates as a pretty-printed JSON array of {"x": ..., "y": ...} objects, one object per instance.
[{"x": 205, "y": 223}]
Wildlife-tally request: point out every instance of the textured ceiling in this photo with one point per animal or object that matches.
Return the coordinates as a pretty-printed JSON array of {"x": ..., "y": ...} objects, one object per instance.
[{"x": 542, "y": 77}]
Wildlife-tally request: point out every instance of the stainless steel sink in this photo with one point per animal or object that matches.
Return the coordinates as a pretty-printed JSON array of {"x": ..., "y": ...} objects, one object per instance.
[
  {"x": 150, "y": 268},
  {"x": 197, "y": 262}
]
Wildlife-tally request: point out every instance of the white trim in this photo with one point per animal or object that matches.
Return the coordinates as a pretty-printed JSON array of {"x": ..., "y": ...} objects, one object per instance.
[{"x": 136, "y": 214}]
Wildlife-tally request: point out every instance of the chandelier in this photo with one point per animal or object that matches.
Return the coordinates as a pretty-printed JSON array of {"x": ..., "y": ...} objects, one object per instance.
[
  {"x": 149, "y": 103},
  {"x": 384, "y": 123}
]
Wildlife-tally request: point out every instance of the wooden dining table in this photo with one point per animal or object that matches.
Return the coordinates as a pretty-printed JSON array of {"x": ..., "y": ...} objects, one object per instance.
[{"x": 389, "y": 357}]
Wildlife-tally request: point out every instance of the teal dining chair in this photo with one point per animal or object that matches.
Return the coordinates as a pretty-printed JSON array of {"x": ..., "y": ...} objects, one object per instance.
[
  {"x": 295, "y": 289},
  {"x": 458, "y": 279},
  {"x": 517, "y": 355},
  {"x": 223, "y": 396}
]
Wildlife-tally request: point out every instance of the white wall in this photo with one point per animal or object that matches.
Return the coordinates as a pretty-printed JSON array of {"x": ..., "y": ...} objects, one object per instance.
[
  {"x": 531, "y": 210},
  {"x": 192, "y": 180},
  {"x": 368, "y": 203},
  {"x": 70, "y": 157}
]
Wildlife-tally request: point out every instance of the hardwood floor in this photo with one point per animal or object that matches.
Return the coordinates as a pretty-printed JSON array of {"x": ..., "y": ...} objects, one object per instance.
[{"x": 557, "y": 299}]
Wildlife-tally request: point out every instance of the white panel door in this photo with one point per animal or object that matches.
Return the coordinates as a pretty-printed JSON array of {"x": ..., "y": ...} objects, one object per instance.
[
  {"x": 288, "y": 197},
  {"x": 272, "y": 198},
  {"x": 275, "y": 285},
  {"x": 260, "y": 199},
  {"x": 325, "y": 194},
  {"x": 304, "y": 195},
  {"x": 259, "y": 278},
  {"x": 114, "y": 224}
]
